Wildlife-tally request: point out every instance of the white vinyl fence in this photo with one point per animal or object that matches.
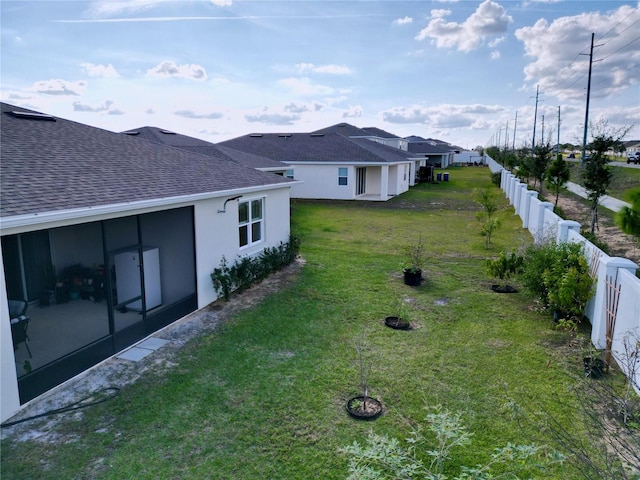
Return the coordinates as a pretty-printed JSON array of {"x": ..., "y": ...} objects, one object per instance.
[{"x": 615, "y": 306}]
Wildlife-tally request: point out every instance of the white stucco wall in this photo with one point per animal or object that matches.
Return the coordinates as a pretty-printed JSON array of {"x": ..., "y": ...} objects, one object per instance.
[
  {"x": 216, "y": 234},
  {"x": 9, "y": 400},
  {"x": 321, "y": 181}
]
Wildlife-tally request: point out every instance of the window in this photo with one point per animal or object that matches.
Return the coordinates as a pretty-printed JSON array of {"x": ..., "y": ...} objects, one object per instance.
[
  {"x": 250, "y": 217},
  {"x": 342, "y": 176},
  {"x": 289, "y": 173}
]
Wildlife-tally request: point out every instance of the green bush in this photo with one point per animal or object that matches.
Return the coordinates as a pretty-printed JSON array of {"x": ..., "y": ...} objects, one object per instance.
[
  {"x": 558, "y": 275},
  {"x": 427, "y": 455},
  {"x": 248, "y": 270}
]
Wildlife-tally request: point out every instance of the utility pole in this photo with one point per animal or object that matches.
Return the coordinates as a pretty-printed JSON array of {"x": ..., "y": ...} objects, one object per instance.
[
  {"x": 586, "y": 112},
  {"x": 506, "y": 136},
  {"x": 558, "y": 144},
  {"x": 514, "y": 132},
  {"x": 543, "y": 129},
  {"x": 499, "y": 136},
  {"x": 535, "y": 120}
]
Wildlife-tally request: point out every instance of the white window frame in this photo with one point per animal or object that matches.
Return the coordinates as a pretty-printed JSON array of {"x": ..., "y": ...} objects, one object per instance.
[
  {"x": 341, "y": 176},
  {"x": 252, "y": 222}
]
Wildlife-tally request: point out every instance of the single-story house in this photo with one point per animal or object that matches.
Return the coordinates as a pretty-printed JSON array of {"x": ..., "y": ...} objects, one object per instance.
[
  {"x": 196, "y": 145},
  {"x": 108, "y": 238},
  {"x": 334, "y": 166}
]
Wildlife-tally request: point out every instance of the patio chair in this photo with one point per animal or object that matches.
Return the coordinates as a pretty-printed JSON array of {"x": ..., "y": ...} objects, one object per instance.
[{"x": 19, "y": 323}]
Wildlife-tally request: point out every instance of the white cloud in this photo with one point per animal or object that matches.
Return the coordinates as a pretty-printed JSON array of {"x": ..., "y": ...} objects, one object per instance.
[
  {"x": 83, "y": 107},
  {"x": 273, "y": 118},
  {"x": 56, "y": 86},
  {"x": 99, "y": 70},
  {"x": 304, "y": 87},
  {"x": 440, "y": 13},
  {"x": 558, "y": 69},
  {"x": 111, "y": 8},
  {"x": 403, "y": 21},
  {"x": 194, "y": 115},
  {"x": 489, "y": 19},
  {"x": 327, "y": 69},
  {"x": 495, "y": 55},
  {"x": 169, "y": 69},
  {"x": 354, "y": 111},
  {"x": 441, "y": 116},
  {"x": 294, "y": 108}
]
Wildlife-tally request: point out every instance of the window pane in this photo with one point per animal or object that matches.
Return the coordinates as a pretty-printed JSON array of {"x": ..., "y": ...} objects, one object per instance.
[
  {"x": 256, "y": 231},
  {"x": 256, "y": 209},
  {"x": 243, "y": 212},
  {"x": 342, "y": 181},
  {"x": 342, "y": 172},
  {"x": 244, "y": 240}
]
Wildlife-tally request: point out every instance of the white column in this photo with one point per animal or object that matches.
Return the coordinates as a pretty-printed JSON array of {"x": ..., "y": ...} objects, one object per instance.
[
  {"x": 608, "y": 267},
  {"x": 521, "y": 188},
  {"x": 540, "y": 235},
  {"x": 563, "y": 229},
  {"x": 384, "y": 182},
  {"x": 526, "y": 207}
]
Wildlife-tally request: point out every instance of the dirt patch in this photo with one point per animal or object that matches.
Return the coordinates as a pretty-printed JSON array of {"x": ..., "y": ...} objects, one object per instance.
[{"x": 619, "y": 243}]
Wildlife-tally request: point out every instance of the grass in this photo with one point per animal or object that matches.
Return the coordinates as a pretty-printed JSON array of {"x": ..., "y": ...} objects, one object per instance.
[
  {"x": 622, "y": 182},
  {"x": 264, "y": 396}
]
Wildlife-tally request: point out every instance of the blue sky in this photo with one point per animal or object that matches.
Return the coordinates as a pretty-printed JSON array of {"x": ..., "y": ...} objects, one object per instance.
[{"x": 459, "y": 71}]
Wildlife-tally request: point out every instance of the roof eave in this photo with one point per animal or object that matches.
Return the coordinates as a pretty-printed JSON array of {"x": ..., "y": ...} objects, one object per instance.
[{"x": 18, "y": 222}]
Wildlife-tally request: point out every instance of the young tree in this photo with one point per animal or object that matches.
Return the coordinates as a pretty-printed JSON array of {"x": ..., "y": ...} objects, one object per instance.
[
  {"x": 557, "y": 176},
  {"x": 541, "y": 158},
  {"x": 597, "y": 174},
  {"x": 628, "y": 219}
]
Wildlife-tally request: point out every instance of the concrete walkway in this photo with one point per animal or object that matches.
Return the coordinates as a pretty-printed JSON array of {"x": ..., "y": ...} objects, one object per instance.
[{"x": 606, "y": 201}]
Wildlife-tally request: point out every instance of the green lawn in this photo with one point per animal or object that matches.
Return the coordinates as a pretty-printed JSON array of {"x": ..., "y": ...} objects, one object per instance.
[
  {"x": 622, "y": 182},
  {"x": 264, "y": 396}
]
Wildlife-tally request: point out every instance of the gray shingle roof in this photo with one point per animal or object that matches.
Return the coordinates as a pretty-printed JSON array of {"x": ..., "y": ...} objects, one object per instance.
[
  {"x": 48, "y": 166},
  {"x": 316, "y": 147},
  {"x": 203, "y": 147},
  {"x": 378, "y": 132}
]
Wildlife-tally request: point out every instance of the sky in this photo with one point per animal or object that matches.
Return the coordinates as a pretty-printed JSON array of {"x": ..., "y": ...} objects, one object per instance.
[{"x": 467, "y": 72}]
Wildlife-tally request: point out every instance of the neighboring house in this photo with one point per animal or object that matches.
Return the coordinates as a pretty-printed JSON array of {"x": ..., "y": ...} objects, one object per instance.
[
  {"x": 91, "y": 219},
  {"x": 631, "y": 146},
  {"x": 166, "y": 137},
  {"x": 332, "y": 165}
]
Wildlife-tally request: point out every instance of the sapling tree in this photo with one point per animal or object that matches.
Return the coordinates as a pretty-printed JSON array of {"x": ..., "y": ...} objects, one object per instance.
[
  {"x": 488, "y": 216},
  {"x": 541, "y": 157},
  {"x": 557, "y": 176},
  {"x": 596, "y": 175},
  {"x": 628, "y": 218}
]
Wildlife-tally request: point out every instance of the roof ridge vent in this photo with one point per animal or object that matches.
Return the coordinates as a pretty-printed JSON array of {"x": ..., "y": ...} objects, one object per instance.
[
  {"x": 167, "y": 132},
  {"x": 317, "y": 134},
  {"x": 255, "y": 135},
  {"x": 284, "y": 135},
  {"x": 132, "y": 133},
  {"x": 31, "y": 115}
]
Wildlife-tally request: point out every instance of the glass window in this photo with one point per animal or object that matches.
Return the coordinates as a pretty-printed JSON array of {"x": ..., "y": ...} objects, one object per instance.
[
  {"x": 250, "y": 219},
  {"x": 289, "y": 173},
  {"x": 342, "y": 176}
]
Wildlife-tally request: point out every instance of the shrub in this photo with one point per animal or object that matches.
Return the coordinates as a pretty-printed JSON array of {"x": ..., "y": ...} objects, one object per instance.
[
  {"x": 384, "y": 457},
  {"x": 248, "y": 270},
  {"x": 505, "y": 266},
  {"x": 558, "y": 274}
]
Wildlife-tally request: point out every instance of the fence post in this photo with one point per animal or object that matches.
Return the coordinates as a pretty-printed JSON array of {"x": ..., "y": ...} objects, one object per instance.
[
  {"x": 608, "y": 267},
  {"x": 526, "y": 208},
  {"x": 563, "y": 230},
  {"x": 517, "y": 193},
  {"x": 540, "y": 234}
]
